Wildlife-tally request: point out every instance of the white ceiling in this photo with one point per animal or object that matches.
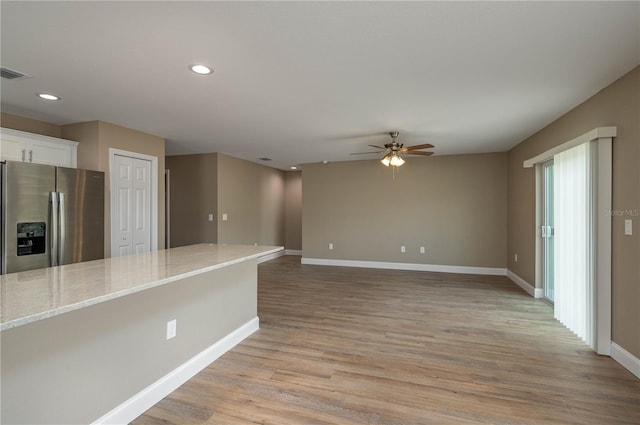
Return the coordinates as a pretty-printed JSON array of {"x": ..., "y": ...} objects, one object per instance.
[{"x": 303, "y": 82}]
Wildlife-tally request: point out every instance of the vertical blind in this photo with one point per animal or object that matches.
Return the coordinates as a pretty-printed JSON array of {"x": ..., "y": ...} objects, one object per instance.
[{"x": 573, "y": 241}]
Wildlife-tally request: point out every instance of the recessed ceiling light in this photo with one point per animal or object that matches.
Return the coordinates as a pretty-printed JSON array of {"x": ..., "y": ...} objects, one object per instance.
[
  {"x": 48, "y": 96},
  {"x": 294, "y": 168},
  {"x": 201, "y": 69}
]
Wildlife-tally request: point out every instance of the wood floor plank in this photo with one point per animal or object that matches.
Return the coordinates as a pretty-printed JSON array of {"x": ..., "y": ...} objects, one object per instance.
[{"x": 362, "y": 346}]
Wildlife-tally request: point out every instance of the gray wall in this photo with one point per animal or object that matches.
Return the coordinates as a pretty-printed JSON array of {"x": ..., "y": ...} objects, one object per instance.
[
  {"x": 293, "y": 210},
  {"x": 76, "y": 367},
  {"x": 29, "y": 125},
  {"x": 252, "y": 196},
  {"x": 193, "y": 196},
  {"x": 454, "y": 206}
]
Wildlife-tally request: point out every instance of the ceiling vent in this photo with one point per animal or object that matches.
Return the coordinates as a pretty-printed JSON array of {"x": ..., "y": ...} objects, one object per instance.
[
  {"x": 265, "y": 159},
  {"x": 10, "y": 74}
]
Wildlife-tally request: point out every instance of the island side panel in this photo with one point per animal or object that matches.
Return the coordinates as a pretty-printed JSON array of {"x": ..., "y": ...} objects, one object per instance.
[{"x": 75, "y": 367}]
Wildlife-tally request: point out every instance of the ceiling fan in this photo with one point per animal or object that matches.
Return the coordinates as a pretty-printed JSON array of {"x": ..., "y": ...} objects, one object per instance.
[{"x": 394, "y": 149}]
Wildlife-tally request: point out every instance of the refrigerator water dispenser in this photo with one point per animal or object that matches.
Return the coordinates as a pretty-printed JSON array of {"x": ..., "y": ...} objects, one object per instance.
[{"x": 31, "y": 238}]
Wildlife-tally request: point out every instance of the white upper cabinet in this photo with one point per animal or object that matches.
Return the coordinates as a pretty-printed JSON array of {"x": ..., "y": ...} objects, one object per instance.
[{"x": 28, "y": 147}]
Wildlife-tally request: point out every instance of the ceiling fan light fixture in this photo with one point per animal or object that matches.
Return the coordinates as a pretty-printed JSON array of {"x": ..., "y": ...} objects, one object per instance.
[
  {"x": 386, "y": 160},
  {"x": 396, "y": 160}
]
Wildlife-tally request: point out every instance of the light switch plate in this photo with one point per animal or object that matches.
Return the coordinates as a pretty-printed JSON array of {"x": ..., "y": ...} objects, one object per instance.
[
  {"x": 403, "y": 248},
  {"x": 628, "y": 227},
  {"x": 421, "y": 250},
  {"x": 330, "y": 246},
  {"x": 224, "y": 217},
  {"x": 171, "y": 329},
  {"x": 210, "y": 217}
]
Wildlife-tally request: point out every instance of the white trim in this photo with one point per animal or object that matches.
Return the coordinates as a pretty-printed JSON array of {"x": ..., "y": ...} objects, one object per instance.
[
  {"x": 145, "y": 399},
  {"x": 167, "y": 208},
  {"x": 596, "y": 133},
  {"x": 528, "y": 288},
  {"x": 603, "y": 204},
  {"x": 154, "y": 192},
  {"x": 539, "y": 249},
  {"x": 297, "y": 252},
  {"x": 405, "y": 266},
  {"x": 626, "y": 359},
  {"x": 271, "y": 256}
]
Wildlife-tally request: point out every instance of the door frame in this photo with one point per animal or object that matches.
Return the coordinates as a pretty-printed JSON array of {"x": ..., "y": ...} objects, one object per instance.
[
  {"x": 154, "y": 194},
  {"x": 167, "y": 208},
  {"x": 544, "y": 207}
]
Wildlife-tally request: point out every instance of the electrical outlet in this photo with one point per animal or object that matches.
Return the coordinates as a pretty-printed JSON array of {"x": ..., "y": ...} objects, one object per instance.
[
  {"x": 171, "y": 329},
  {"x": 628, "y": 227},
  {"x": 403, "y": 248},
  {"x": 330, "y": 246},
  {"x": 422, "y": 251},
  {"x": 210, "y": 217}
]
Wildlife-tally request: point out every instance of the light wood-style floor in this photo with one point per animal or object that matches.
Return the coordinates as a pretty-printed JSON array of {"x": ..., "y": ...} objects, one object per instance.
[{"x": 361, "y": 346}]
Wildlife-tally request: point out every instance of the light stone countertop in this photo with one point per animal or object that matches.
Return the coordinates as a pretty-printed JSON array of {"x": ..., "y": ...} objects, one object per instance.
[{"x": 34, "y": 295}]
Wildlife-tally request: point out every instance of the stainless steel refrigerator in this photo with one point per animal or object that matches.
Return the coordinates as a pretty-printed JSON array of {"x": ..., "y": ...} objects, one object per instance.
[{"x": 50, "y": 216}]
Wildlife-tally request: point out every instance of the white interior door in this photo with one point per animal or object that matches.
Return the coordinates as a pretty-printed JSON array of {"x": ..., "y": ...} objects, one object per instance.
[{"x": 131, "y": 229}]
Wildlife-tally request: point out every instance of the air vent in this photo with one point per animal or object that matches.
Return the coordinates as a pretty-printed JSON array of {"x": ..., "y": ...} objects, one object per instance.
[
  {"x": 10, "y": 74},
  {"x": 265, "y": 159}
]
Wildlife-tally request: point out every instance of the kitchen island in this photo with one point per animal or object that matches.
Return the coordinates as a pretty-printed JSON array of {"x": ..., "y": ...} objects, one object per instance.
[{"x": 91, "y": 342}]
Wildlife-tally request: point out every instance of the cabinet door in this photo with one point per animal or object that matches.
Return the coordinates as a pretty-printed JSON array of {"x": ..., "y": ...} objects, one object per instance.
[
  {"x": 12, "y": 149},
  {"x": 50, "y": 153},
  {"x": 38, "y": 149}
]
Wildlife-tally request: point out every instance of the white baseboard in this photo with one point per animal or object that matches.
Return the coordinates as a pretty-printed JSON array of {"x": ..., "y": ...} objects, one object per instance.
[
  {"x": 145, "y": 399},
  {"x": 529, "y": 289},
  {"x": 293, "y": 252},
  {"x": 405, "y": 266},
  {"x": 272, "y": 256},
  {"x": 626, "y": 359}
]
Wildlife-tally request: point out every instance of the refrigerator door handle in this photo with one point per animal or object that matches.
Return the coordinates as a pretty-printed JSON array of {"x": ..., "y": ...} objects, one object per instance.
[
  {"x": 53, "y": 227},
  {"x": 63, "y": 230}
]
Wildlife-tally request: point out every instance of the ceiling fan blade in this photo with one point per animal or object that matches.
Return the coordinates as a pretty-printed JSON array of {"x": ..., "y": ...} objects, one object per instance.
[
  {"x": 378, "y": 147},
  {"x": 418, "y": 153},
  {"x": 365, "y": 153},
  {"x": 425, "y": 146}
]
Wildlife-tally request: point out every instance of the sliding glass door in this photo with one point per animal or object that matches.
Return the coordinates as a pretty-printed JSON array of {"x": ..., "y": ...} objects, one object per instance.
[{"x": 573, "y": 243}]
